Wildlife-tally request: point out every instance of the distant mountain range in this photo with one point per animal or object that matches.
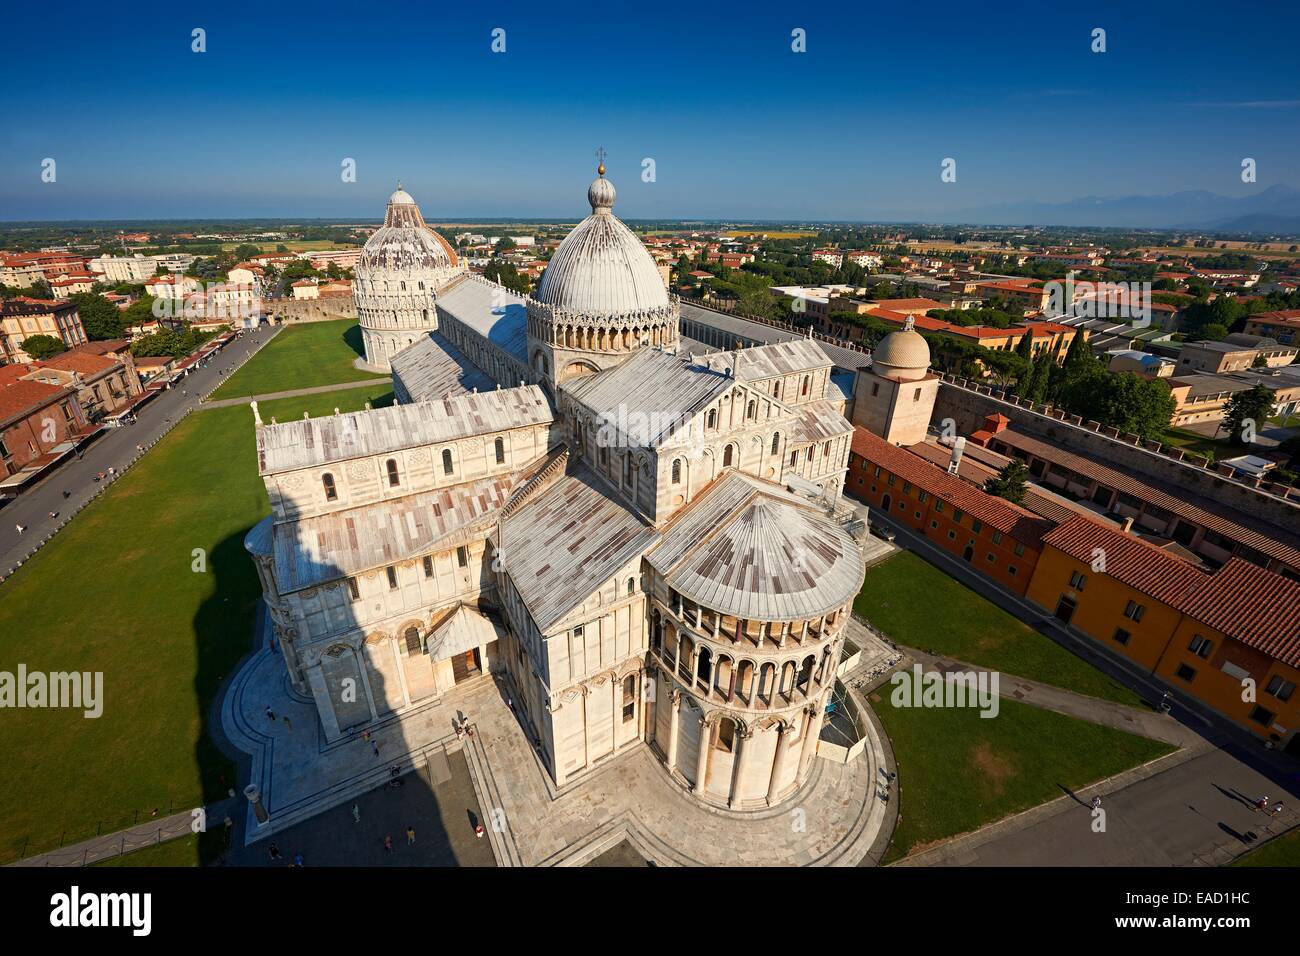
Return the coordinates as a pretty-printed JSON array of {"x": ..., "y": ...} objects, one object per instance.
[{"x": 1271, "y": 211}]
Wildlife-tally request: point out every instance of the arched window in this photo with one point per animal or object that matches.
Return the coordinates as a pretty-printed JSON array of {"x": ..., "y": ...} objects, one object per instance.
[
  {"x": 726, "y": 457},
  {"x": 677, "y": 471},
  {"x": 393, "y": 479},
  {"x": 726, "y": 734},
  {"x": 776, "y": 389},
  {"x": 704, "y": 665},
  {"x": 500, "y": 447},
  {"x": 629, "y": 697},
  {"x": 413, "y": 643},
  {"x": 751, "y": 409},
  {"x": 807, "y": 383},
  {"x": 711, "y": 418},
  {"x": 776, "y": 442},
  {"x": 331, "y": 493},
  {"x": 446, "y": 461},
  {"x": 631, "y": 585}
]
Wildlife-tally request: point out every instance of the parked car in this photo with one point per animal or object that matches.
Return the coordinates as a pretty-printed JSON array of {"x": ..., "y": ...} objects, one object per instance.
[{"x": 880, "y": 531}]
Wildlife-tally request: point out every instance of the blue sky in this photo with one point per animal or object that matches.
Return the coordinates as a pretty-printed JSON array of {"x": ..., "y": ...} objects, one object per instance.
[{"x": 739, "y": 126}]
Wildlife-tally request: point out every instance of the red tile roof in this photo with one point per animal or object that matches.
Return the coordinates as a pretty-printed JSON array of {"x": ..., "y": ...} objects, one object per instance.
[
  {"x": 1249, "y": 604},
  {"x": 23, "y": 396},
  {"x": 993, "y": 511},
  {"x": 83, "y": 362},
  {"x": 1177, "y": 500},
  {"x": 1140, "y": 565}
]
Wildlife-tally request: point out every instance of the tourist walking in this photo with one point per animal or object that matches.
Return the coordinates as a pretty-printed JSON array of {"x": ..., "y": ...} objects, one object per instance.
[
  {"x": 273, "y": 852},
  {"x": 1096, "y": 803},
  {"x": 270, "y": 714},
  {"x": 388, "y": 844},
  {"x": 288, "y": 725},
  {"x": 356, "y": 813},
  {"x": 410, "y": 836},
  {"x": 21, "y": 528}
]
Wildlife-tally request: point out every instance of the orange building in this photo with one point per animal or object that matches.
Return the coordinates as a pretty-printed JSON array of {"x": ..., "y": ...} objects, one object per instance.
[
  {"x": 999, "y": 538},
  {"x": 1231, "y": 638}
]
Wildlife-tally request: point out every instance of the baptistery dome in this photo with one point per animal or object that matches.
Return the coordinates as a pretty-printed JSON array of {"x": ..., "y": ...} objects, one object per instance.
[{"x": 397, "y": 277}]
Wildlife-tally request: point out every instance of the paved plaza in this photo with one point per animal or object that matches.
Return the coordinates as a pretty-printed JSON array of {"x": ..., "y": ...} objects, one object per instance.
[{"x": 626, "y": 799}]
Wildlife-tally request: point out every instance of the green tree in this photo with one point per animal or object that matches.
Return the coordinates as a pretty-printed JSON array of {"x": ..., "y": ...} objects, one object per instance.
[
  {"x": 1010, "y": 482},
  {"x": 41, "y": 347},
  {"x": 100, "y": 318},
  {"x": 1125, "y": 401},
  {"x": 1246, "y": 412},
  {"x": 507, "y": 275}
]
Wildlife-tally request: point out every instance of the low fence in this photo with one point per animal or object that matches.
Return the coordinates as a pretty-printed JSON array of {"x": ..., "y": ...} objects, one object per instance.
[
  {"x": 129, "y": 832},
  {"x": 850, "y": 717}
]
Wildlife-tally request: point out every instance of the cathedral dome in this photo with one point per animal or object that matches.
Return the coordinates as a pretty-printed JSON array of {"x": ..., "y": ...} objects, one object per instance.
[
  {"x": 903, "y": 354},
  {"x": 405, "y": 242},
  {"x": 601, "y": 268}
]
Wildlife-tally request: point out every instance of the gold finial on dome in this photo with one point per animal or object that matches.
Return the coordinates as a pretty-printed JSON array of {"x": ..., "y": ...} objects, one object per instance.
[{"x": 600, "y": 158}]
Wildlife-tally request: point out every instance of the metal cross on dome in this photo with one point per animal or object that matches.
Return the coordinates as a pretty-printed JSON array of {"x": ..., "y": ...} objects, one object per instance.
[{"x": 600, "y": 158}]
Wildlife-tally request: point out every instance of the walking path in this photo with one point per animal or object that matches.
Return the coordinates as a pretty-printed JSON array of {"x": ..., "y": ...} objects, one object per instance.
[
  {"x": 1133, "y": 720},
  {"x": 133, "y": 838},
  {"x": 291, "y": 393}
]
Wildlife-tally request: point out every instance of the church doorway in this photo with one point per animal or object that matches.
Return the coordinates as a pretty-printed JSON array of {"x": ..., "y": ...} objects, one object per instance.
[
  {"x": 466, "y": 666},
  {"x": 885, "y": 502},
  {"x": 968, "y": 553},
  {"x": 1065, "y": 609}
]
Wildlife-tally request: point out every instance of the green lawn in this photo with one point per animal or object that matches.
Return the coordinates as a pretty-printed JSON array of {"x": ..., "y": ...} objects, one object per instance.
[
  {"x": 114, "y": 592},
  {"x": 917, "y": 605},
  {"x": 1198, "y": 444},
  {"x": 958, "y": 771},
  {"x": 1280, "y": 851},
  {"x": 301, "y": 356}
]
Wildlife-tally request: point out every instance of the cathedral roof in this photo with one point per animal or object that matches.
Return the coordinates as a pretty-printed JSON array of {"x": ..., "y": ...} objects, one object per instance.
[
  {"x": 434, "y": 368},
  {"x": 313, "y": 550},
  {"x": 405, "y": 242},
  {"x": 567, "y": 542},
  {"x": 753, "y": 551},
  {"x": 781, "y": 358},
  {"x": 601, "y": 268},
  {"x": 489, "y": 310},
  {"x": 652, "y": 394},
  {"x": 307, "y": 442}
]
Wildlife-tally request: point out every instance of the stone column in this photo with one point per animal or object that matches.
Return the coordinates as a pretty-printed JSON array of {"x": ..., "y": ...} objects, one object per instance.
[
  {"x": 674, "y": 717},
  {"x": 615, "y": 713},
  {"x": 742, "y": 758},
  {"x": 586, "y": 732},
  {"x": 810, "y": 740},
  {"x": 324, "y": 704},
  {"x": 702, "y": 760},
  {"x": 778, "y": 764},
  {"x": 359, "y": 654},
  {"x": 254, "y": 796}
]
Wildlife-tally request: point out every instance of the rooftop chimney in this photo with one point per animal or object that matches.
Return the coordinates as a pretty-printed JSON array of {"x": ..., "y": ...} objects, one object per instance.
[{"x": 958, "y": 447}]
